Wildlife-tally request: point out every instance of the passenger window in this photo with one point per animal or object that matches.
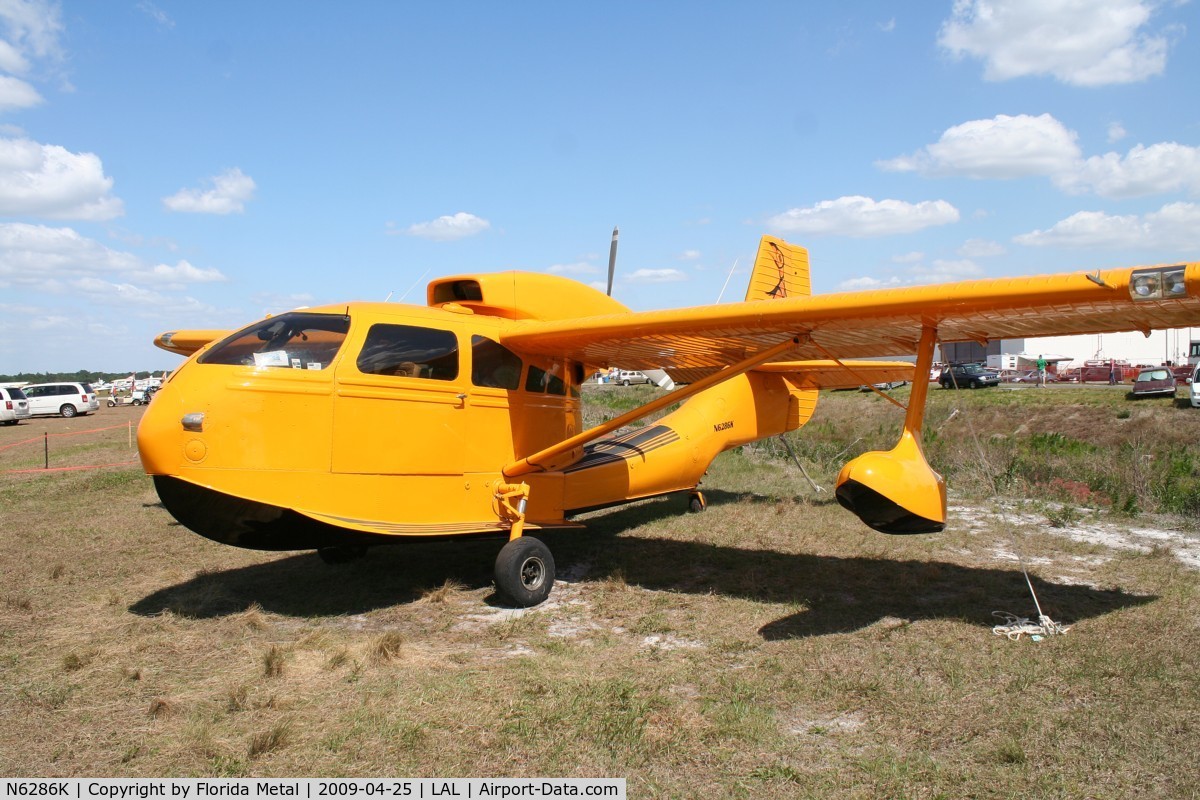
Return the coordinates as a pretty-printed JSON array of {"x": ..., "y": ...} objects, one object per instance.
[
  {"x": 493, "y": 365},
  {"x": 410, "y": 352},
  {"x": 295, "y": 341},
  {"x": 576, "y": 378},
  {"x": 545, "y": 382}
]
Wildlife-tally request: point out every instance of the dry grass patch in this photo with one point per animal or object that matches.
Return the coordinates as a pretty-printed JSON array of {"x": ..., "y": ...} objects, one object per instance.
[
  {"x": 274, "y": 660},
  {"x": 387, "y": 647},
  {"x": 771, "y": 647},
  {"x": 273, "y": 738}
]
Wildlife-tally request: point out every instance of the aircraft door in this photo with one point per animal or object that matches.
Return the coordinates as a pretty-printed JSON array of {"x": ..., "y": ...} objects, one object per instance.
[
  {"x": 495, "y": 381},
  {"x": 400, "y": 406}
]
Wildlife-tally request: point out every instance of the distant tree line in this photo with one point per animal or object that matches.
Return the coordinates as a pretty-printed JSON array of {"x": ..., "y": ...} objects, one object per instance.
[{"x": 82, "y": 376}]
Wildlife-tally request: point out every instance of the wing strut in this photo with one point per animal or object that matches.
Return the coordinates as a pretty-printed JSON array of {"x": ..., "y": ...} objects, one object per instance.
[{"x": 552, "y": 457}]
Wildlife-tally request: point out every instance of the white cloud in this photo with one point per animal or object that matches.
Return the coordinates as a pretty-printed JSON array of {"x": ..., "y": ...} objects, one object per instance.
[
  {"x": 11, "y": 59},
  {"x": 1116, "y": 132},
  {"x": 180, "y": 274},
  {"x": 16, "y": 93},
  {"x": 578, "y": 268},
  {"x": 981, "y": 248},
  {"x": 56, "y": 259},
  {"x": 941, "y": 271},
  {"x": 1001, "y": 147},
  {"x": 30, "y": 32},
  {"x": 1021, "y": 146},
  {"x": 230, "y": 192},
  {"x": 909, "y": 258},
  {"x": 44, "y": 180},
  {"x": 450, "y": 227},
  {"x": 689, "y": 255},
  {"x": 655, "y": 276},
  {"x": 1175, "y": 226},
  {"x": 155, "y": 13},
  {"x": 1159, "y": 168},
  {"x": 863, "y": 217},
  {"x": 866, "y": 283},
  {"x": 37, "y": 255},
  {"x": 108, "y": 293},
  {"x": 33, "y": 26},
  {"x": 1093, "y": 43}
]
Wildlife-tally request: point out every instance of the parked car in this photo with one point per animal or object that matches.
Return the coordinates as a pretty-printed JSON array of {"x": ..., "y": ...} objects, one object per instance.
[
  {"x": 14, "y": 406},
  {"x": 1032, "y": 377},
  {"x": 627, "y": 376},
  {"x": 967, "y": 376},
  {"x": 61, "y": 399},
  {"x": 1153, "y": 382},
  {"x": 1194, "y": 391}
]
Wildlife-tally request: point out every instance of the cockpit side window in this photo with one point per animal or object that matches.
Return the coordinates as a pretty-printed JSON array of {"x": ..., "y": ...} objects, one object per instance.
[
  {"x": 493, "y": 365},
  {"x": 576, "y": 373},
  {"x": 293, "y": 341},
  {"x": 543, "y": 381},
  {"x": 409, "y": 351}
]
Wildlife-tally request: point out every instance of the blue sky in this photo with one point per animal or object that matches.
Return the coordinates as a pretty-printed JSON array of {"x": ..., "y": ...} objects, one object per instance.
[{"x": 171, "y": 165}]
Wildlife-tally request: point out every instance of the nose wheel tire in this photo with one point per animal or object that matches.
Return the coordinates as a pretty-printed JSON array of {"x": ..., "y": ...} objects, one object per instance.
[
  {"x": 525, "y": 571},
  {"x": 696, "y": 502}
]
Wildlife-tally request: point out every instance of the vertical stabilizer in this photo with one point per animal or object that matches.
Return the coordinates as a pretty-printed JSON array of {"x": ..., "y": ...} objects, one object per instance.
[{"x": 780, "y": 270}]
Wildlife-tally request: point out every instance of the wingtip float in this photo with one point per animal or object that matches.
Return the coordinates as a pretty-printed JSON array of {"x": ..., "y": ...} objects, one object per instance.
[{"x": 341, "y": 427}]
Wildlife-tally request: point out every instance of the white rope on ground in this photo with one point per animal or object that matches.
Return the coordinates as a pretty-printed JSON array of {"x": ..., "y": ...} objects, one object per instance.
[{"x": 1017, "y": 626}]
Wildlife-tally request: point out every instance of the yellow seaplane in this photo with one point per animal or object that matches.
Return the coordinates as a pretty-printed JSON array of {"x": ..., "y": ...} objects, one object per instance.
[{"x": 346, "y": 426}]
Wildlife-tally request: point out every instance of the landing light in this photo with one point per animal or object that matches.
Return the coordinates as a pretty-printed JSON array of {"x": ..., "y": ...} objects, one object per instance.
[
  {"x": 1173, "y": 285},
  {"x": 1155, "y": 284}
]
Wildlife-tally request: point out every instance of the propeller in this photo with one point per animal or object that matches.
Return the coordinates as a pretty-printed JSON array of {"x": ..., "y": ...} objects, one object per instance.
[
  {"x": 661, "y": 378},
  {"x": 612, "y": 260}
]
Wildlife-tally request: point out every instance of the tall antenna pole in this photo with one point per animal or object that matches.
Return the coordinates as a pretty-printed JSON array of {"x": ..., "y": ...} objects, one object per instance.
[{"x": 612, "y": 260}]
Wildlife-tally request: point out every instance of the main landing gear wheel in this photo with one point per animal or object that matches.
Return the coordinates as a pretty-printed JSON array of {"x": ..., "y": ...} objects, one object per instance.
[
  {"x": 525, "y": 571},
  {"x": 696, "y": 502}
]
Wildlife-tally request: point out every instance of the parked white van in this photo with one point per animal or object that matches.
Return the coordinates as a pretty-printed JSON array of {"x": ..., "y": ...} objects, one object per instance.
[
  {"x": 13, "y": 405},
  {"x": 1194, "y": 389},
  {"x": 61, "y": 399}
]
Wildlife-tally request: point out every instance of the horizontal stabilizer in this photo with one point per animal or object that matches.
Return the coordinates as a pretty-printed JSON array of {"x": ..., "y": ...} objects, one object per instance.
[{"x": 187, "y": 342}]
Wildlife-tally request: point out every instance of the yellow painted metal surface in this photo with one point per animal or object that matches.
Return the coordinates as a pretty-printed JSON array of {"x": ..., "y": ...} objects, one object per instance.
[
  {"x": 697, "y": 341},
  {"x": 323, "y": 433},
  {"x": 780, "y": 271}
]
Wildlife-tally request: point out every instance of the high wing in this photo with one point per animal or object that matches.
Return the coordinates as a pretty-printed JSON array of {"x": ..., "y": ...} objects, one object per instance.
[{"x": 692, "y": 342}]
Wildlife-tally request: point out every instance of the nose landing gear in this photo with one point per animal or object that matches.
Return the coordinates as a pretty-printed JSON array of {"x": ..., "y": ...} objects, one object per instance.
[{"x": 525, "y": 571}]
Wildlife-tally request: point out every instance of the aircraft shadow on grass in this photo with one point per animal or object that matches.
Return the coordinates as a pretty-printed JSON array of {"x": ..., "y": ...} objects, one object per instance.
[{"x": 837, "y": 594}]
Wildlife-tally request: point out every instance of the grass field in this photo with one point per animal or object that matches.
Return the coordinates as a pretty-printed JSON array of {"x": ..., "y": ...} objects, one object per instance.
[{"x": 771, "y": 647}]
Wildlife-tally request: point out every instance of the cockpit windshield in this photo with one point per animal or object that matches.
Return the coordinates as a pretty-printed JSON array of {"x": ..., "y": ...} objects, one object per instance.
[{"x": 295, "y": 340}]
